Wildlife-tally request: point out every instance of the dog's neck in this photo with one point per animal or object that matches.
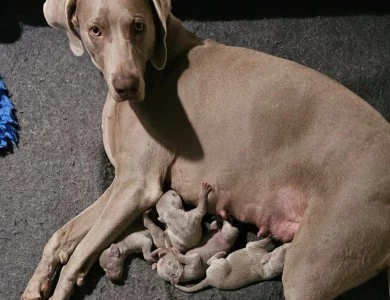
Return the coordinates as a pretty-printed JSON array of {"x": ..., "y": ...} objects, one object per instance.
[{"x": 179, "y": 40}]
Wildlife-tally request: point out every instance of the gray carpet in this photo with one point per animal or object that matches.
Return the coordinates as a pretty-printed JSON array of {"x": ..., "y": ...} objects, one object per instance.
[{"x": 60, "y": 167}]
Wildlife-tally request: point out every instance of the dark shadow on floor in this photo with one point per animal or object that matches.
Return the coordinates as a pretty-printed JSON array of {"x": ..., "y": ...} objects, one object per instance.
[
  {"x": 17, "y": 12},
  {"x": 13, "y": 14},
  {"x": 94, "y": 276},
  {"x": 212, "y": 10}
]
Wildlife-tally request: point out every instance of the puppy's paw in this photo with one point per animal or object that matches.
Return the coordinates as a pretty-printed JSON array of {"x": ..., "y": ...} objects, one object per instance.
[
  {"x": 216, "y": 256},
  {"x": 206, "y": 188},
  {"x": 272, "y": 263}
]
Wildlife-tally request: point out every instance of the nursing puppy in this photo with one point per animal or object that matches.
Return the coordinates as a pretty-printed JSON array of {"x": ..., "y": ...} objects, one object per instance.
[
  {"x": 175, "y": 267},
  {"x": 242, "y": 267},
  {"x": 183, "y": 228},
  {"x": 136, "y": 239}
]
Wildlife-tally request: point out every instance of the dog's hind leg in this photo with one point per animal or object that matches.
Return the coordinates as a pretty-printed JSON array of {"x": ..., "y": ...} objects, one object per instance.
[
  {"x": 60, "y": 246},
  {"x": 338, "y": 246}
]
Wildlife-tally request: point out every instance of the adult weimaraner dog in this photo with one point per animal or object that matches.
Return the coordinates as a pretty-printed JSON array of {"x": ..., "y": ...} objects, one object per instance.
[{"x": 284, "y": 148}]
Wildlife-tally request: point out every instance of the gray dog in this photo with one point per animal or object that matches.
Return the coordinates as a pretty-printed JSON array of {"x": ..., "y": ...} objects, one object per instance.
[
  {"x": 242, "y": 267},
  {"x": 175, "y": 267},
  {"x": 285, "y": 148}
]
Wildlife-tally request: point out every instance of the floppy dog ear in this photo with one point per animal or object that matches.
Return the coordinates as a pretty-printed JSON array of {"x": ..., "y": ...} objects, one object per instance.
[
  {"x": 159, "y": 57},
  {"x": 59, "y": 14}
]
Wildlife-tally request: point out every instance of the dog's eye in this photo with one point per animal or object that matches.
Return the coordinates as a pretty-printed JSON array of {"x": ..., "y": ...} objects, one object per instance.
[
  {"x": 139, "y": 26},
  {"x": 95, "y": 31}
]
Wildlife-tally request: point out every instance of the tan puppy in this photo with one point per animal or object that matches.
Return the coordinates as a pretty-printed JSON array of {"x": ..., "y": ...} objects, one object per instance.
[
  {"x": 175, "y": 267},
  {"x": 136, "y": 239},
  {"x": 183, "y": 228},
  {"x": 242, "y": 267}
]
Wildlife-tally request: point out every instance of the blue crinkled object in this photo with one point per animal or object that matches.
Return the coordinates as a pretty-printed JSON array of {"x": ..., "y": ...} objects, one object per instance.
[{"x": 8, "y": 123}]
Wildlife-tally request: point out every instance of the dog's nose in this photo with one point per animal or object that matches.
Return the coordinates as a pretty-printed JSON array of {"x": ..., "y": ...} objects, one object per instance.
[{"x": 126, "y": 85}]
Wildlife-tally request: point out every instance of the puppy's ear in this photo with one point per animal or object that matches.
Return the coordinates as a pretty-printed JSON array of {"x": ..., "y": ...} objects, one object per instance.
[
  {"x": 59, "y": 14},
  {"x": 114, "y": 251},
  {"x": 162, "y": 253},
  {"x": 159, "y": 57}
]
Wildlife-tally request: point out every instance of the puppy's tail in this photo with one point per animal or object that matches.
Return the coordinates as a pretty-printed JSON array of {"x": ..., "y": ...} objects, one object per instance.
[{"x": 200, "y": 286}]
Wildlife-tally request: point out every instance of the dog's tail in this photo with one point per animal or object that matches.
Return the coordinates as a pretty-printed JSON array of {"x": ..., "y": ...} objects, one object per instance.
[{"x": 200, "y": 286}]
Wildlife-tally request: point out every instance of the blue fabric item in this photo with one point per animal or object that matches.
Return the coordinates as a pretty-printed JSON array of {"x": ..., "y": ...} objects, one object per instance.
[{"x": 8, "y": 122}]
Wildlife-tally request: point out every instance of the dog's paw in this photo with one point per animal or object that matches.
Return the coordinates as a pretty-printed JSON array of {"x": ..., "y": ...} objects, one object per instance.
[
  {"x": 38, "y": 290},
  {"x": 30, "y": 296}
]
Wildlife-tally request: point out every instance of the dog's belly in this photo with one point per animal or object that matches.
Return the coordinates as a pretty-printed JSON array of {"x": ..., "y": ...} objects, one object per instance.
[{"x": 249, "y": 197}]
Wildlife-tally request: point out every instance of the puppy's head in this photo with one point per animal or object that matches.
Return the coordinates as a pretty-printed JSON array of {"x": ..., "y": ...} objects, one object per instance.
[
  {"x": 112, "y": 262},
  {"x": 121, "y": 37},
  {"x": 168, "y": 266},
  {"x": 169, "y": 201}
]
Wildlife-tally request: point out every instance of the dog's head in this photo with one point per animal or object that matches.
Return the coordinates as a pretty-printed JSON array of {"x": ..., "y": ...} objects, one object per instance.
[{"x": 121, "y": 36}]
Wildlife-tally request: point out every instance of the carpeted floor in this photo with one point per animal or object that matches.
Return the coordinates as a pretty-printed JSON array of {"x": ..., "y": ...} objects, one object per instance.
[{"x": 60, "y": 166}]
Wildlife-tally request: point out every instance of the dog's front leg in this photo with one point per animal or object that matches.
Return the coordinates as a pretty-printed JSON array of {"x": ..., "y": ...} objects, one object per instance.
[
  {"x": 129, "y": 198},
  {"x": 60, "y": 247}
]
